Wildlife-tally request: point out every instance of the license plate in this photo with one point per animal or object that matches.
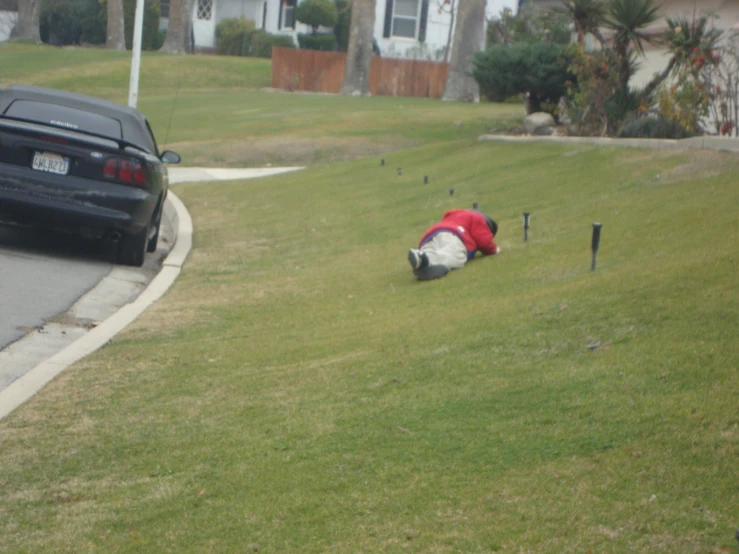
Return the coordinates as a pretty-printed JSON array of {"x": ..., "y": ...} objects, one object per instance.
[{"x": 52, "y": 163}]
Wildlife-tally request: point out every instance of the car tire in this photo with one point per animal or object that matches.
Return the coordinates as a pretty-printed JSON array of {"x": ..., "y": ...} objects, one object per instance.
[
  {"x": 151, "y": 244},
  {"x": 132, "y": 248}
]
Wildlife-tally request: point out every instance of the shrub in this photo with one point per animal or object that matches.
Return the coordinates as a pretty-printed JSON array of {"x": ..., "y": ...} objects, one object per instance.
[
  {"x": 538, "y": 70},
  {"x": 233, "y": 36},
  {"x": 319, "y": 41},
  {"x": 341, "y": 30},
  {"x": 653, "y": 127},
  {"x": 262, "y": 43},
  {"x": 317, "y": 13},
  {"x": 150, "y": 32},
  {"x": 72, "y": 22}
]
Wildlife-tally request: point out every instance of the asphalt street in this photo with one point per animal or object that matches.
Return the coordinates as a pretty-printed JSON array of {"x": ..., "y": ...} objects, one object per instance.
[{"x": 41, "y": 275}]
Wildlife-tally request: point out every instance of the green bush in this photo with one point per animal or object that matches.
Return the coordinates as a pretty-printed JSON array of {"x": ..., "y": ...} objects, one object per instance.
[
  {"x": 161, "y": 37},
  {"x": 262, "y": 43},
  {"x": 653, "y": 127},
  {"x": 319, "y": 41},
  {"x": 341, "y": 29},
  {"x": 150, "y": 32},
  {"x": 317, "y": 13},
  {"x": 72, "y": 22},
  {"x": 539, "y": 69},
  {"x": 233, "y": 36}
]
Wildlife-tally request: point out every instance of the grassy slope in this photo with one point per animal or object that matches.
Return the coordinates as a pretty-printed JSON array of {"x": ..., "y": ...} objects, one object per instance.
[{"x": 298, "y": 391}]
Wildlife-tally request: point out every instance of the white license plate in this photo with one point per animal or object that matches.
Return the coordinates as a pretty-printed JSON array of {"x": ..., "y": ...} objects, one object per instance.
[{"x": 52, "y": 163}]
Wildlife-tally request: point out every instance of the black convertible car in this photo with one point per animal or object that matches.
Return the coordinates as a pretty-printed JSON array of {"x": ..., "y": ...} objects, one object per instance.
[{"x": 83, "y": 165}]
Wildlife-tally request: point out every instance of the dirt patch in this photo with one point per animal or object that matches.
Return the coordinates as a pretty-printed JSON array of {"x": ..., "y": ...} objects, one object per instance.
[
  {"x": 259, "y": 152},
  {"x": 699, "y": 163}
]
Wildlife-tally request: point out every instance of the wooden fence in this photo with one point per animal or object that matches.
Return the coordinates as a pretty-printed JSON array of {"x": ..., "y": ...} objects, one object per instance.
[{"x": 314, "y": 71}]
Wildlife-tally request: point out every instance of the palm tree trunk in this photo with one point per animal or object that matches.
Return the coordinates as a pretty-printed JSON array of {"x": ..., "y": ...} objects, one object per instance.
[
  {"x": 116, "y": 39},
  {"x": 179, "y": 28},
  {"x": 469, "y": 38},
  {"x": 658, "y": 79},
  {"x": 359, "y": 54},
  {"x": 27, "y": 26}
]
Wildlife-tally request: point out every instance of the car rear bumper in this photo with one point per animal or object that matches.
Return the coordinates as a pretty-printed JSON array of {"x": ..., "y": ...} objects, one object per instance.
[{"x": 72, "y": 204}]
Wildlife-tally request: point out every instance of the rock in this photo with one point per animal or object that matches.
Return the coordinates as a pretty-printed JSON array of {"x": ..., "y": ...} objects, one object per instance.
[
  {"x": 544, "y": 131},
  {"x": 535, "y": 121}
]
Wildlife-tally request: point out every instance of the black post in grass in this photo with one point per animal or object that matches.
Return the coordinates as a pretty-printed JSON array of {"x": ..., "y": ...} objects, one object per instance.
[
  {"x": 425, "y": 179},
  {"x": 595, "y": 243},
  {"x": 526, "y": 222},
  {"x": 474, "y": 205},
  {"x": 382, "y": 161}
]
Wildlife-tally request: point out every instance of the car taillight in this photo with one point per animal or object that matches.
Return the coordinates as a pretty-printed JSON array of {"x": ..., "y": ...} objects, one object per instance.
[
  {"x": 124, "y": 171},
  {"x": 139, "y": 175},
  {"x": 111, "y": 168}
]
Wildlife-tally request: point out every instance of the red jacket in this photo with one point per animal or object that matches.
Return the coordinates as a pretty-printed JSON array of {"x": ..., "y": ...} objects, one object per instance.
[{"x": 468, "y": 225}]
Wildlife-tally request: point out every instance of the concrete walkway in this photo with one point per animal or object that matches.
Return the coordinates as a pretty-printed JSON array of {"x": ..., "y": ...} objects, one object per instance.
[
  {"x": 192, "y": 174},
  {"x": 50, "y": 353}
]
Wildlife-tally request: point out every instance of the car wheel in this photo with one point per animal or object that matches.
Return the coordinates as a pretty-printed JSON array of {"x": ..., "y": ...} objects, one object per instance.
[
  {"x": 132, "y": 248},
  {"x": 151, "y": 245}
]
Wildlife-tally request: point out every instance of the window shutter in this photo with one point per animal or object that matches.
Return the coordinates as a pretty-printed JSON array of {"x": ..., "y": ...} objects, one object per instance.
[
  {"x": 279, "y": 18},
  {"x": 424, "y": 19},
  {"x": 388, "y": 18}
]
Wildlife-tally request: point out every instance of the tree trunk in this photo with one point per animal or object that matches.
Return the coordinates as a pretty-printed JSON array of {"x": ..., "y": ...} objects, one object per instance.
[
  {"x": 27, "y": 26},
  {"x": 179, "y": 29},
  {"x": 469, "y": 38},
  {"x": 658, "y": 80},
  {"x": 116, "y": 39},
  {"x": 359, "y": 54}
]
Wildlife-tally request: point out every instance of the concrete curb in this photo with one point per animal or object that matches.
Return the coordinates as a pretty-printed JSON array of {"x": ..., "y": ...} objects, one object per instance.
[
  {"x": 721, "y": 144},
  {"x": 25, "y": 387}
]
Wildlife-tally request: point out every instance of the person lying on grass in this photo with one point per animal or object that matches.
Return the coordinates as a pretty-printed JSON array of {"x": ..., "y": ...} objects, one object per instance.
[{"x": 451, "y": 242}]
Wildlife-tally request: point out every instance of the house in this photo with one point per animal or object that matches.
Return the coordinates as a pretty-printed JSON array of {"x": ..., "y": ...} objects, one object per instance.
[
  {"x": 656, "y": 57},
  {"x": 403, "y": 28}
]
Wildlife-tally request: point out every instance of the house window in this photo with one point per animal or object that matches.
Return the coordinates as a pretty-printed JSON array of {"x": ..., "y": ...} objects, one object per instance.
[
  {"x": 164, "y": 8},
  {"x": 405, "y": 18},
  {"x": 287, "y": 14},
  {"x": 205, "y": 9}
]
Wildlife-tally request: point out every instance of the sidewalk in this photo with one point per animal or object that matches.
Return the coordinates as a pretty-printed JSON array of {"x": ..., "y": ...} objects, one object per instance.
[{"x": 192, "y": 174}]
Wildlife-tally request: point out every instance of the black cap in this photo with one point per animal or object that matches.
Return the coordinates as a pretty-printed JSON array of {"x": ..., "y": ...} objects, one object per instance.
[{"x": 492, "y": 225}]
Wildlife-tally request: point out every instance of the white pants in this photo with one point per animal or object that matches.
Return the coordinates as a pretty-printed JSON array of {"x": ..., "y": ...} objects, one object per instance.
[{"x": 447, "y": 249}]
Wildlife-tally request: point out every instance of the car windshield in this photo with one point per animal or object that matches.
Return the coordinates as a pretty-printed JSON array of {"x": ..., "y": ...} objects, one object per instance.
[{"x": 65, "y": 118}]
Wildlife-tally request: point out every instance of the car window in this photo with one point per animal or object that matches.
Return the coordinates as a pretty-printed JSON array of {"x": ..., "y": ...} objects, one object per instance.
[
  {"x": 65, "y": 117},
  {"x": 151, "y": 138}
]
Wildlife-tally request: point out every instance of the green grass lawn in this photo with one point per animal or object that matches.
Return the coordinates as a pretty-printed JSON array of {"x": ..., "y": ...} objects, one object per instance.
[{"x": 298, "y": 391}]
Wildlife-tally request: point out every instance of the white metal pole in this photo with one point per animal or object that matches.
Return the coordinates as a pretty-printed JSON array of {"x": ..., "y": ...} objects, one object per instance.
[{"x": 133, "y": 89}]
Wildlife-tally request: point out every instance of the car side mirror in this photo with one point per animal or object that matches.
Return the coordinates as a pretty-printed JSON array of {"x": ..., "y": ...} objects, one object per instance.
[{"x": 169, "y": 157}]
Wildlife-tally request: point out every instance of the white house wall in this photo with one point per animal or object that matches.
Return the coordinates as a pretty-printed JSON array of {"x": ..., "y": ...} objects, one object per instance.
[
  {"x": 433, "y": 47},
  {"x": 437, "y": 34},
  {"x": 7, "y": 22},
  {"x": 233, "y": 9}
]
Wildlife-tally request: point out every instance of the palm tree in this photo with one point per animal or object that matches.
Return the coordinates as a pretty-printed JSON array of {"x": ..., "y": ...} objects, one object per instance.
[
  {"x": 359, "y": 54},
  {"x": 628, "y": 20},
  {"x": 27, "y": 27},
  {"x": 682, "y": 37},
  {"x": 116, "y": 39},
  {"x": 586, "y": 16},
  {"x": 469, "y": 38}
]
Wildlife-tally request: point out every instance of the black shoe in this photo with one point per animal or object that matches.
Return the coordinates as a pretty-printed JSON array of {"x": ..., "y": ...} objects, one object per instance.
[
  {"x": 417, "y": 259},
  {"x": 431, "y": 272}
]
